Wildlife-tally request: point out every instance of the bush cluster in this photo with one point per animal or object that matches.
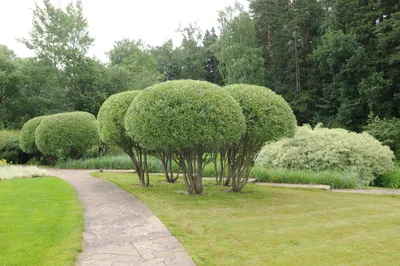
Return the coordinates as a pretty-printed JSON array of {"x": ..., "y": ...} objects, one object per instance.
[
  {"x": 10, "y": 149},
  {"x": 387, "y": 131},
  {"x": 321, "y": 149}
]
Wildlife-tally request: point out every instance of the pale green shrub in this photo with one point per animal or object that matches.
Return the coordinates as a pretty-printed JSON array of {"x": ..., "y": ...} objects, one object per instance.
[
  {"x": 321, "y": 149},
  {"x": 17, "y": 171}
]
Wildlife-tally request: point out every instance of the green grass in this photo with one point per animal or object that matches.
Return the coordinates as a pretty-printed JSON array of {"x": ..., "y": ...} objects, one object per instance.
[
  {"x": 41, "y": 222},
  {"x": 334, "y": 179},
  {"x": 274, "y": 226}
]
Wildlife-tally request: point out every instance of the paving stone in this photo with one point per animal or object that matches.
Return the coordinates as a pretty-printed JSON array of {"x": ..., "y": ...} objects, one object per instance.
[{"x": 119, "y": 229}]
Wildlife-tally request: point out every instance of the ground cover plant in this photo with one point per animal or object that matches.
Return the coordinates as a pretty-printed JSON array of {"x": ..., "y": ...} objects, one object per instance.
[
  {"x": 323, "y": 149},
  {"x": 274, "y": 226},
  {"x": 41, "y": 222}
]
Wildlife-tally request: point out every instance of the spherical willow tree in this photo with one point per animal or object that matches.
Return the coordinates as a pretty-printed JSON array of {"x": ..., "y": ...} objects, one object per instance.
[
  {"x": 112, "y": 130},
  {"x": 27, "y": 135},
  {"x": 268, "y": 118},
  {"x": 67, "y": 135},
  {"x": 186, "y": 118}
]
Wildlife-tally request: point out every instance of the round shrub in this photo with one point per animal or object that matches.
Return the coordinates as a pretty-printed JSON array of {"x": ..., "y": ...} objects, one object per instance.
[
  {"x": 182, "y": 114},
  {"x": 111, "y": 118},
  {"x": 322, "y": 149},
  {"x": 268, "y": 116},
  {"x": 67, "y": 135},
  {"x": 27, "y": 136},
  {"x": 186, "y": 118}
]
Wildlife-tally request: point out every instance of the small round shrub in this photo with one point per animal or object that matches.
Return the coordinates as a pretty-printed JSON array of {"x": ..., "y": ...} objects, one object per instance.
[
  {"x": 183, "y": 114},
  {"x": 111, "y": 119},
  {"x": 67, "y": 135},
  {"x": 321, "y": 149},
  {"x": 27, "y": 135},
  {"x": 268, "y": 116}
]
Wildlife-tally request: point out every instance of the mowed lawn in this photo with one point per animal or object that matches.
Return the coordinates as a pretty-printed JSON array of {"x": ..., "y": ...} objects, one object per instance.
[
  {"x": 41, "y": 222},
  {"x": 274, "y": 226}
]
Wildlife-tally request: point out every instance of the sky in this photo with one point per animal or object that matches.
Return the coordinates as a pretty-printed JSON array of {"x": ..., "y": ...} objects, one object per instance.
[{"x": 153, "y": 21}]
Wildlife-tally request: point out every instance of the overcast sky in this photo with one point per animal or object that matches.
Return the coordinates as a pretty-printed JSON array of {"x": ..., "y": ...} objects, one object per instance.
[{"x": 153, "y": 21}]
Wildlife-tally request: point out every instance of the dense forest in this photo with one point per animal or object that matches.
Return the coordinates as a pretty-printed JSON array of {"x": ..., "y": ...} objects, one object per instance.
[{"x": 335, "y": 61}]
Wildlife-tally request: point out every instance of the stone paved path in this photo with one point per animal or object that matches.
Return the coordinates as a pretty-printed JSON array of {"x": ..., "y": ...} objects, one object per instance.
[{"x": 119, "y": 229}]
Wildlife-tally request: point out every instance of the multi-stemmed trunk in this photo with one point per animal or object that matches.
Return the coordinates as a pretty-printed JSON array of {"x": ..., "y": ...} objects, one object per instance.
[
  {"x": 192, "y": 163},
  {"x": 139, "y": 161}
]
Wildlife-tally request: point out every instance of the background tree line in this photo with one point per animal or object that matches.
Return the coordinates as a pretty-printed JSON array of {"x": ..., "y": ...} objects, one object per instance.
[{"x": 334, "y": 61}]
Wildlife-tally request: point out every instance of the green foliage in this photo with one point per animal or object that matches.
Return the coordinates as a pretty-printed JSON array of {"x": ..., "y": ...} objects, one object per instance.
[
  {"x": 322, "y": 149},
  {"x": 334, "y": 179},
  {"x": 268, "y": 116},
  {"x": 27, "y": 135},
  {"x": 237, "y": 49},
  {"x": 351, "y": 88},
  {"x": 111, "y": 119},
  {"x": 387, "y": 131},
  {"x": 184, "y": 114},
  {"x": 132, "y": 67},
  {"x": 59, "y": 35},
  {"x": 67, "y": 135},
  {"x": 9, "y": 147},
  {"x": 389, "y": 179}
]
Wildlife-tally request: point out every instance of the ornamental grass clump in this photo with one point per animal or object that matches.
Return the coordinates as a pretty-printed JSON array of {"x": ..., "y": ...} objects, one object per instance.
[
  {"x": 67, "y": 135},
  {"x": 268, "y": 118},
  {"x": 322, "y": 149},
  {"x": 112, "y": 130},
  {"x": 187, "y": 119}
]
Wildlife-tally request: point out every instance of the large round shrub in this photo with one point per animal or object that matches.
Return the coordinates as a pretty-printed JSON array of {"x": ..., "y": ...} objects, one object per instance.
[
  {"x": 183, "y": 114},
  {"x": 268, "y": 118},
  {"x": 27, "y": 136},
  {"x": 112, "y": 130},
  {"x": 67, "y": 135},
  {"x": 111, "y": 119},
  {"x": 321, "y": 149},
  {"x": 187, "y": 118}
]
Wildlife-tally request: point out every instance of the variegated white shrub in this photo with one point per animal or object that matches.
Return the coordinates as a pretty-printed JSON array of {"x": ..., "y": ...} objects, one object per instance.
[
  {"x": 322, "y": 149},
  {"x": 18, "y": 171}
]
